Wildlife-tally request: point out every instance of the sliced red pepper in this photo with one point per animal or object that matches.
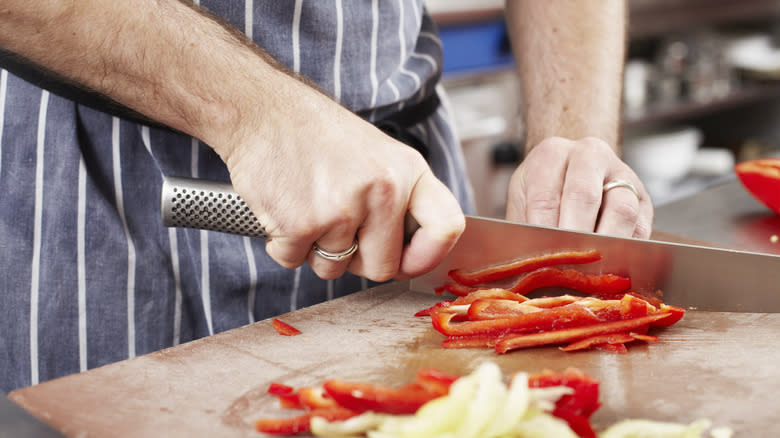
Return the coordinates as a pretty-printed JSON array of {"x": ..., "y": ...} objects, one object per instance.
[
  {"x": 429, "y": 310},
  {"x": 455, "y": 289},
  {"x": 283, "y": 328},
  {"x": 362, "y": 397},
  {"x": 578, "y": 423},
  {"x": 280, "y": 389},
  {"x": 571, "y": 279},
  {"x": 435, "y": 381},
  {"x": 547, "y": 302},
  {"x": 513, "y": 342},
  {"x": 288, "y": 397},
  {"x": 612, "y": 348},
  {"x": 676, "y": 312},
  {"x": 315, "y": 398},
  {"x": 556, "y": 317},
  {"x": 508, "y": 269},
  {"x": 610, "y": 338},
  {"x": 585, "y": 399},
  {"x": 301, "y": 423},
  {"x": 493, "y": 309},
  {"x": 761, "y": 177},
  {"x": 496, "y": 293},
  {"x": 643, "y": 337},
  {"x": 470, "y": 341}
]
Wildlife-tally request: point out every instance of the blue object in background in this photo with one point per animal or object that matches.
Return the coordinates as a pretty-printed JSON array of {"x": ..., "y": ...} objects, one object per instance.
[{"x": 475, "y": 48}]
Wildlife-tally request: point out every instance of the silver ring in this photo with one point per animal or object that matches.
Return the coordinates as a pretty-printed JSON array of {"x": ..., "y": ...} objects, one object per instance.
[
  {"x": 615, "y": 183},
  {"x": 335, "y": 256}
]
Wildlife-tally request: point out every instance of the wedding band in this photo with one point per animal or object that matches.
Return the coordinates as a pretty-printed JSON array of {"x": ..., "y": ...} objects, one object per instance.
[
  {"x": 621, "y": 183},
  {"x": 335, "y": 256}
]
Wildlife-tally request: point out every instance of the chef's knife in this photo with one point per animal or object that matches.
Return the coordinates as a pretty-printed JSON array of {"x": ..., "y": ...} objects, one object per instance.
[{"x": 690, "y": 276}]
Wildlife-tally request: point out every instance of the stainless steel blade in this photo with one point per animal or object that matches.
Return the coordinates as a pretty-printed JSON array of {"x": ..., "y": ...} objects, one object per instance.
[{"x": 695, "y": 277}]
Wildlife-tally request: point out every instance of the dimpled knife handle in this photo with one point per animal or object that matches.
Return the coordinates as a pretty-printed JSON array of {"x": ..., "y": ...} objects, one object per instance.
[{"x": 207, "y": 205}]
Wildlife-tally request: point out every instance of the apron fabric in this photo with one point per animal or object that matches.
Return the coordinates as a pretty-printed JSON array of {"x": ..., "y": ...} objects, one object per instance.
[{"x": 90, "y": 276}]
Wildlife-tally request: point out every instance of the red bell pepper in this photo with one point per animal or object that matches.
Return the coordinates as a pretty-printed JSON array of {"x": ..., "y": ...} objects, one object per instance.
[
  {"x": 585, "y": 399},
  {"x": 577, "y": 408},
  {"x": 761, "y": 177},
  {"x": 571, "y": 279},
  {"x": 676, "y": 312},
  {"x": 554, "y": 318},
  {"x": 496, "y": 293},
  {"x": 285, "y": 329},
  {"x": 362, "y": 397},
  {"x": 610, "y": 338},
  {"x": 315, "y": 398},
  {"x": 508, "y": 269},
  {"x": 435, "y": 381},
  {"x": 513, "y": 342},
  {"x": 455, "y": 289},
  {"x": 288, "y": 398},
  {"x": 301, "y": 423},
  {"x": 494, "y": 309},
  {"x": 429, "y": 310},
  {"x": 470, "y": 341}
]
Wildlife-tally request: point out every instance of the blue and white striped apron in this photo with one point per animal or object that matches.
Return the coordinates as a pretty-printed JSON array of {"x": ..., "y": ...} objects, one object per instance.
[{"x": 88, "y": 274}]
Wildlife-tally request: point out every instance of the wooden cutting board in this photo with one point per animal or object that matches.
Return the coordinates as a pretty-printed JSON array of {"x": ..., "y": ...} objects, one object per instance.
[{"x": 721, "y": 366}]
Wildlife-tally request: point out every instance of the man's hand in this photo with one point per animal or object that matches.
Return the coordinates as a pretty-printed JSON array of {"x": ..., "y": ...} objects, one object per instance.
[
  {"x": 321, "y": 174},
  {"x": 560, "y": 184},
  {"x": 570, "y": 56}
]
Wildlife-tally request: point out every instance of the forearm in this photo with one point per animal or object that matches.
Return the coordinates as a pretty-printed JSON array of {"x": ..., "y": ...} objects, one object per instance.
[
  {"x": 570, "y": 57},
  {"x": 162, "y": 58}
]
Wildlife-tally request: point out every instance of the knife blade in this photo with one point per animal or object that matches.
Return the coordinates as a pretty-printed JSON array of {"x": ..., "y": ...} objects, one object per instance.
[{"x": 690, "y": 276}]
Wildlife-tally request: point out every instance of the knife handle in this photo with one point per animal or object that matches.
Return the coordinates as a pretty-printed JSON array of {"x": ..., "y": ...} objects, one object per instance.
[
  {"x": 214, "y": 205},
  {"x": 207, "y": 205}
]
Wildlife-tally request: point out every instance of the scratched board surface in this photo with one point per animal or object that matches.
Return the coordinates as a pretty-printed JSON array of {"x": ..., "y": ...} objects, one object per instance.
[{"x": 721, "y": 366}]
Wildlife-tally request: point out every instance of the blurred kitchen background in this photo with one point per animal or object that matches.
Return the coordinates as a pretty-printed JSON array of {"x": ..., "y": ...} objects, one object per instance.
[{"x": 701, "y": 92}]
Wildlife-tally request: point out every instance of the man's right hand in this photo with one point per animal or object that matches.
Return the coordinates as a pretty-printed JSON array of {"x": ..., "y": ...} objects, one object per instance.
[{"x": 316, "y": 173}]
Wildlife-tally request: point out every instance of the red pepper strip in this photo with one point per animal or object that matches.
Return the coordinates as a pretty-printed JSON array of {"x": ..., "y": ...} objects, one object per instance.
[
  {"x": 470, "y": 341},
  {"x": 547, "y": 302},
  {"x": 429, "y": 310},
  {"x": 280, "y": 389},
  {"x": 315, "y": 398},
  {"x": 493, "y": 309},
  {"x": 285, "y": 329},
  {"x": 585, "y": 399},
  {"x": 571, "y": 279},
  {"x": 578, "y": 423},
  {"x": 496, "y": 293},
  {"x": 610, "y": 338},
  {"x": 301, "y": 423},
  {"x": 643, "y": 337},
  {"x": 514, "y": 342},
  {"x": 556, "y": 317},
  {"x": 515, "y": 267},
  {"x": 288, "y": 398},
  {"x": 676, "y": 312},
  {"x": 455, "y": 289},
  {"x": 612, "y": 348},
  {"x": 362, "y": 397},
  {"x": 435, "y": 381}
]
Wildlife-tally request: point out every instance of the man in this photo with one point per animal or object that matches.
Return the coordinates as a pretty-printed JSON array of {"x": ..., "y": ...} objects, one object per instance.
[{"x": 92, "y": 277}]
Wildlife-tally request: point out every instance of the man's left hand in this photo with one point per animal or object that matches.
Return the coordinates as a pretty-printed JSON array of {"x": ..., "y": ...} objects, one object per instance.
[{"x": 560, "y": 183}]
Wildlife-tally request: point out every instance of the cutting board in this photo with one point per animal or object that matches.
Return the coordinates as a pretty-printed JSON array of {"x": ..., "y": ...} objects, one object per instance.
[{"x": 721, "y": 366}]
